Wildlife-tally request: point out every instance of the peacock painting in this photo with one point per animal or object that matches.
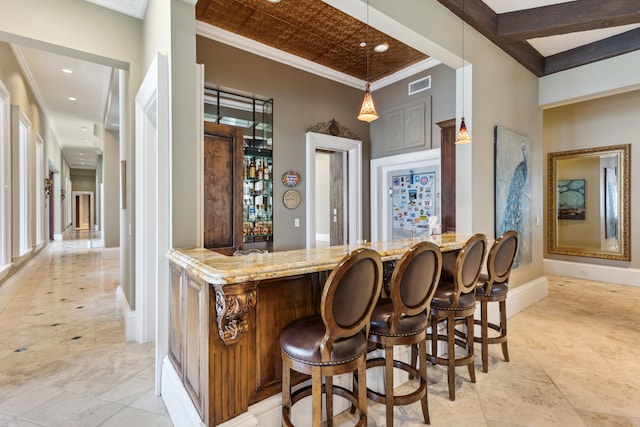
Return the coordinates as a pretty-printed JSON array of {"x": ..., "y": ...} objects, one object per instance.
[{"x": 513, "y": 189}]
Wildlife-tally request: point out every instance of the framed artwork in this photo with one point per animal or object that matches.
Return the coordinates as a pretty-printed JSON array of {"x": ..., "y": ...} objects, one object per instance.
[
  {"x": 611, "y": 202},
  {"x": 512, "y": 187},
  {"x": 571, "y": 199}
]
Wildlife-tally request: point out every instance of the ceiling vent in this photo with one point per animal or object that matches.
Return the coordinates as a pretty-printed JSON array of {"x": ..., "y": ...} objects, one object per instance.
[{"x": 420, "y": 85}]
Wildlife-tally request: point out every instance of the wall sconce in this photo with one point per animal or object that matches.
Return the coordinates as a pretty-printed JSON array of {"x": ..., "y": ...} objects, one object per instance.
[
  {"x": 48, "y": 186},
  {"x": 63, "y": 194}
]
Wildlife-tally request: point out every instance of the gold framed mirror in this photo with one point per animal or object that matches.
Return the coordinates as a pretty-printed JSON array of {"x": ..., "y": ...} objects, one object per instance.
[{"x": 588, "y": 202}]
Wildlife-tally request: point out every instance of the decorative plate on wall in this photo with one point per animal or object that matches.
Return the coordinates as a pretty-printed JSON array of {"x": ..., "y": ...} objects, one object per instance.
[
  {"x": 291, "y": 199},
  {"x": 291, "y": 178}
]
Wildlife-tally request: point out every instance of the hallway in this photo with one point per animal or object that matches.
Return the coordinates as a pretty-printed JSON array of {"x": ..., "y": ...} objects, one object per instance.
[
  {"x": 64, "y": 361},
  {"x": 63, "y": 357}
]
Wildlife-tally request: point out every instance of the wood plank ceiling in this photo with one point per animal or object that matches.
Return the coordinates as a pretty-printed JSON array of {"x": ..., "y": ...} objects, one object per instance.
[{"x": 316, "y": 31}]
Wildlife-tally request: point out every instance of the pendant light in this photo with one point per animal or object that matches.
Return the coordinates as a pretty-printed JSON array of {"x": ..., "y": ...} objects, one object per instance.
[
  {"x": 463, "y": 135},
  {"x": 367, "y": 110}
]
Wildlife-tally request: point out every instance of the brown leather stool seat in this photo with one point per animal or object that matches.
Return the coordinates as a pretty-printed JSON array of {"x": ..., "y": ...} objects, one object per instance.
[
  {"x": 493, "y": 287},
  {"x": 454, "y": 303},
  {"x": 335, "y": 341},
  {"x": 402, "y": 319}
]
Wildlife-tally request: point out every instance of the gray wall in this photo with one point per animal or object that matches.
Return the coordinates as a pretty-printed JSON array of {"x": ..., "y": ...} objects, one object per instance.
[
  {"x": 301, "y": 100},
  {"x": 443, "y": 100},
  {"x": 83, "y": 180}
]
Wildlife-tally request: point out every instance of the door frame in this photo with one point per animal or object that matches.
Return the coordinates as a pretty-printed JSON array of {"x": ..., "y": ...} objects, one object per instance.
[
  {"x": 379, "y": 184},
  {"x": 353, "y": 148},
  {"x": 153, "y": 210}
]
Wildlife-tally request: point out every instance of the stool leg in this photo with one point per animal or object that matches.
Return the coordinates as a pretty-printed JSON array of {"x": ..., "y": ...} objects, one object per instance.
[
  {"x": 328, "y": 383},
  {"x": 286, "y": 392},
  {"x": 362, "y": 389},
  {"x": 451, "y": 356},
  {"x": 316, "y": 396},
  {"x": 472, "y": 365},
  {"x": 414, "y": 359},
  {"x": 434, "y": 337},
  {"x": 388, "y": 383},
  {"x": 484, "y": 330},
  {"x": 503, "y": 328},
  {"x": 422, "y": 350}
]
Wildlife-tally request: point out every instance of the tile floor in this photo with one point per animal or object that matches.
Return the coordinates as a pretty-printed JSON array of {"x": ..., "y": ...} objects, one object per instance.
[
  {"x": 63, "y": 357},
  {"x": 575, "y": 356}
]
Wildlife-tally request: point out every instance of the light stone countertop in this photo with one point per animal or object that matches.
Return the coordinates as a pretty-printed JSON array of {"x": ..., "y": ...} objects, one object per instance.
[{"x": 218, "y": 269}]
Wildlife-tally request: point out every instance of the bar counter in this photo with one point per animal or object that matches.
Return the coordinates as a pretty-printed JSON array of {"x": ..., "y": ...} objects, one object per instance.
[{"x": 226, "y": 313}]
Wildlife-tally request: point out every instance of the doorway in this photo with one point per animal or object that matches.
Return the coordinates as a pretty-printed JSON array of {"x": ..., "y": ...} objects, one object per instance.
[
  {"x": 382, "y": 171},
  {"x": 83, "y": 210},
  {"x": 331, "y": 199},
  {"x": 344, "y": 181}
]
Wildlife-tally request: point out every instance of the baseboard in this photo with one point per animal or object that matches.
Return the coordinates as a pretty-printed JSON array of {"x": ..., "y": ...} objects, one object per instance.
[
  {"x": 526, "y": 295},
  {"x": 320, "y": 237},
  {"x": 599, "y": 273},
  {"x": 17, "y": 261},
  {"x": 128, "y": 316},
  {"x": 268, "y": 412},
  {"x": 176, "y": 399},
  {"x": 57, "y": 237},
  {"x": 4, "y": 271}
]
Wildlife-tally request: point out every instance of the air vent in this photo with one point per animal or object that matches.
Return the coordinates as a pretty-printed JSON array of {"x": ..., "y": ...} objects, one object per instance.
[{"x": 420, "y": 85}]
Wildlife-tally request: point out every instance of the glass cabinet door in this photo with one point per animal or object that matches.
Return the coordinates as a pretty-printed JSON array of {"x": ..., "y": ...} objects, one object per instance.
[{"x": 255, "y": 117}]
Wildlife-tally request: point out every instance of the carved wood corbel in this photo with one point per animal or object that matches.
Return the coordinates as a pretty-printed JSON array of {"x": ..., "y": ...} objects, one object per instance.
[{"x": 233, "y": 304}]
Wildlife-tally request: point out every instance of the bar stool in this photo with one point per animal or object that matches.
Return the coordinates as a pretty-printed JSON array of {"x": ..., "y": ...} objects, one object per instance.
[
  {"x": 402, "y": 319},
  {"x": 335, "y": 341},
  {"x": 493, "y": 287},
  {"x": 454, "y": 303}
]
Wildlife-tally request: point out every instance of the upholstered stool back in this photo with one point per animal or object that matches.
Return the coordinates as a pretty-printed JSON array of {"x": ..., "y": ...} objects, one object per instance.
[
  {"x": 493, "y": 287},
  {"x": 402, "y": 319},
  {"x": 454, "y": 303},
  {"x": 335, "y": 341}
]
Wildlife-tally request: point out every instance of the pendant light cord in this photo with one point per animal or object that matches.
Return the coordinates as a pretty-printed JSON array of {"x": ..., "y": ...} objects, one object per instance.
[
  {"x": 463, "y": 58},
  {"x": 367, "y": 41}
]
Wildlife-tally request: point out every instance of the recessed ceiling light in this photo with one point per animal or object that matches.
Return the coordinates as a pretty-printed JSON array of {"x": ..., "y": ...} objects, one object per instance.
[
  {"x": 67, "y": 71},
  {"x": 71, "y": 98},
  {"x": 84, "y": 128},
  {"x": 363, "y": 44},
  {"x": 85, "y": 141},
  {"x": 273, "y": 1},
  {"x": 381, "y": 47}
]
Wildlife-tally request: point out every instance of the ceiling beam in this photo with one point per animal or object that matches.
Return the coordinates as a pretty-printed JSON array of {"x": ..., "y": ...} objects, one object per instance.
[
  {"x": 484, "y": 20},
  {"x": 509, "y": 31},
  {"x": 596, "y": 51},
  {"x": 569, "y": 17}
]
